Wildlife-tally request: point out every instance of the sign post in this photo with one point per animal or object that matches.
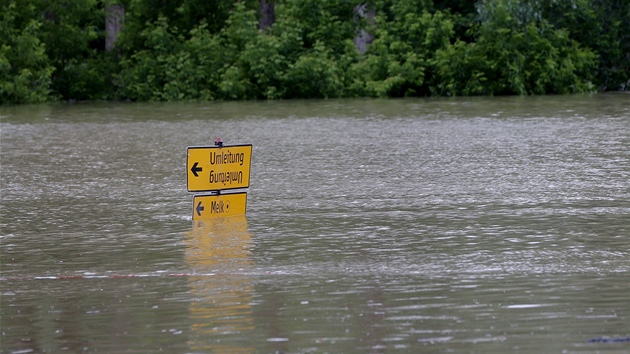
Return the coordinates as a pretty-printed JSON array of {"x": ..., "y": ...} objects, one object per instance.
[{"x": 215, "y": 169}]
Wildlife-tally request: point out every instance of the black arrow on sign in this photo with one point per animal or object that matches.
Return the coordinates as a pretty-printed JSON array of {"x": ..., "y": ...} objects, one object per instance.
[
  {"x": 199, "y": 209},
  {"x": 196, "y": 169}
]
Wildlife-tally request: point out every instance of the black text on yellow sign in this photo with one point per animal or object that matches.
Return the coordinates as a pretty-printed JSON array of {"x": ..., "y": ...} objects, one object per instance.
[
  {"x": 211, "y": 168},
  {"x": 221, "y": 205}
]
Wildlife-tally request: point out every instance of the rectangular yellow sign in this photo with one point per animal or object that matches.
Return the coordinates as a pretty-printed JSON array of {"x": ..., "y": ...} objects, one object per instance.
[
  {"x": 213, "y": 168},
  {"x": 219, "y": 205}
]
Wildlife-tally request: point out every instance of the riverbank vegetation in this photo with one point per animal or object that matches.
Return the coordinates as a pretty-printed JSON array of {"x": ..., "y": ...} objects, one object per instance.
[{"x": 167, "y": 50}]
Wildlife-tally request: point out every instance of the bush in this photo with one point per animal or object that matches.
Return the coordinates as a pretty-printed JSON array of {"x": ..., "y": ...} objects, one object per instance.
[
  {"x": 401, "y": 59},
  {"x": 314, "y": 75},
  {"x": 516, "y": 52},
  {"x": 25, "y": 70}
]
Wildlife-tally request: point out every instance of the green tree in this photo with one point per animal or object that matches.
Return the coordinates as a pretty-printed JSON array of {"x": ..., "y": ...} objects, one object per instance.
[
  {"x": 400, "y": 61},
  {"x": 206, "y": 50},
  {"x": 602, "y": 26},
  {"x": 516, "y": 52},
  {"x": 267, "y": 59},
  {"x": 73, "y": 32},
  {"x": 195, "y": 65},
  {"x": 25, "y": 70},
  {"x": 144, "y": 73},
  {"x": 182, "y": 17},
  {"x": 327, "y": 22}
]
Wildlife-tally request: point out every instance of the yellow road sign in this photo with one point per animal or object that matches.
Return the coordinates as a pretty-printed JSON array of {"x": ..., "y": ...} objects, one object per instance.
[
  {"x": 221, "y": 205},
  {"x": 212, "y": 168}
]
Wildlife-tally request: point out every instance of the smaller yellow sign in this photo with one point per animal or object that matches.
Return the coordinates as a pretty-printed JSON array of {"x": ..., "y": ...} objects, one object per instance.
[{"x": 219, "y": 205}]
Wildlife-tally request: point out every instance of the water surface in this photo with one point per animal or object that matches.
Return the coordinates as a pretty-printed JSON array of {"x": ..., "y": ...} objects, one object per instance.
[{"x": 420, "y": 225}]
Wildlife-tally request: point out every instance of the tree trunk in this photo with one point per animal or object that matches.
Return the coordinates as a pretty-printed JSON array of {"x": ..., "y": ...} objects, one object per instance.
[
  {"x": 115, "y": 17},
  {"x": 267, "y": 15},
  {"x": 363, "y": 38}
]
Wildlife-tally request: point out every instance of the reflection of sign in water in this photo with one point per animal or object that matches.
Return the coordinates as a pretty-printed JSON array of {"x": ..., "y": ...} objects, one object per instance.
[
  {"x": 221, "y": 205},
  {"x": 212, "y": 168},
  {"x": 221, "y": 313}
]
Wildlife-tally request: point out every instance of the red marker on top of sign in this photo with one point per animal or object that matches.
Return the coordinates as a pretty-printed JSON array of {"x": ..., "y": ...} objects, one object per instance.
[{"x": 218, "y": 142}]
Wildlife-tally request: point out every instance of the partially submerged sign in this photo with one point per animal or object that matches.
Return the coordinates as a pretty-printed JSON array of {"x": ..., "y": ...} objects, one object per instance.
[
  {"x": 219, "y": 205},
  {"x": 215, "y": 168}
]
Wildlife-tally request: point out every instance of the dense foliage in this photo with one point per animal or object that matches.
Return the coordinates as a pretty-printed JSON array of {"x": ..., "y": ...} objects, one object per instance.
[{"x": 213, "y": 49}]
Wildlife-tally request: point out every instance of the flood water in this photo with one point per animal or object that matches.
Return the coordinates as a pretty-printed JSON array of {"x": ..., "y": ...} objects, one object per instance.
[{"x": 486, "y": 225}]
